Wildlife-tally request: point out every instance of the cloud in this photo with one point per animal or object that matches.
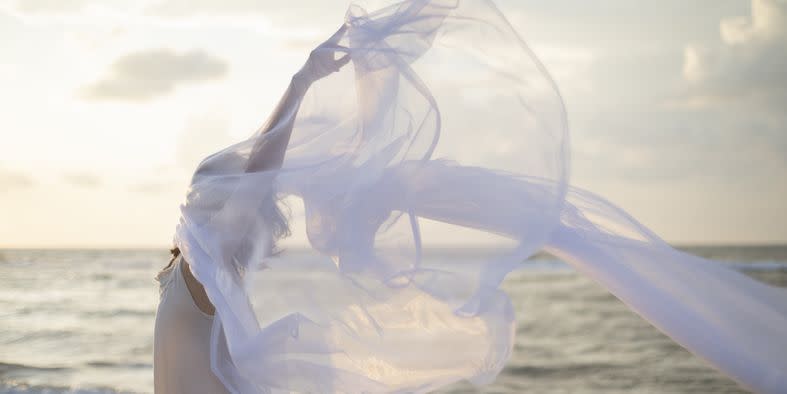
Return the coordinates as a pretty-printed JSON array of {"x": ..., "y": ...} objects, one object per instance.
[
  {"x": 704, "y": 154},
  {"x": 749, "y": 66},
  {"x": 710, "y": 112},
  {"x": 10, "y": 180},
  {"x": 151, "y": 73},
  {"x": 83, "y": 180}
]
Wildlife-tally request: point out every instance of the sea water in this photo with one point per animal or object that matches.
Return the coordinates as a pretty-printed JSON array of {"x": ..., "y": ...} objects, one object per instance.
[{"x": 81, "y": 321}]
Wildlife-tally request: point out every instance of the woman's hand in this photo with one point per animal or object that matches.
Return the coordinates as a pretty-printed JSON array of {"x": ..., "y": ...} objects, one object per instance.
[
  {"x": 268, "y": 153},
  {"x": 322, "y": 61}
]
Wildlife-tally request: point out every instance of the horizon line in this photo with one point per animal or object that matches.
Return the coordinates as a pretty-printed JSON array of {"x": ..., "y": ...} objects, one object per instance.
[{"x": 434, "y": 246}]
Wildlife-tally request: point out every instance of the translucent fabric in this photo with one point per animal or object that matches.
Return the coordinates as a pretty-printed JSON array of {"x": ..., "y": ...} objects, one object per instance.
[{"x": 441, "y": 115}]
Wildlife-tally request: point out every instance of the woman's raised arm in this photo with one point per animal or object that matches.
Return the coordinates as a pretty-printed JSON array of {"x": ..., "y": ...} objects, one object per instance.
[{"x": 268, "y": 153}]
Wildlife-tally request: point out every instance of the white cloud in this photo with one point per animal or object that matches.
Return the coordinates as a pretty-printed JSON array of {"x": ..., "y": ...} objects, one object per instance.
[
  {"x": 154, "y": 72},
  {"x": 10, "y": 179},
  {"x": 748, "y": 67}
]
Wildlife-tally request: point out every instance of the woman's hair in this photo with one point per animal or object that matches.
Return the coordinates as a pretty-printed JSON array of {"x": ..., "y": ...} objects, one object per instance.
[
  {"x": 175, "y": 251},
  {"x": 279, "y": 224}
]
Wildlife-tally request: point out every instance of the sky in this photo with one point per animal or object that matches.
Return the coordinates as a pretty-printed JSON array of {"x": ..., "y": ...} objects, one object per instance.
[{"x": 676, "y": 109}]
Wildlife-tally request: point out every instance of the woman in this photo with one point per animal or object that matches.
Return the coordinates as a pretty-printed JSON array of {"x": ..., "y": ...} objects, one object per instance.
[
  {"x": 185, "y": 313},
  {"x": 374, "y": 313}
]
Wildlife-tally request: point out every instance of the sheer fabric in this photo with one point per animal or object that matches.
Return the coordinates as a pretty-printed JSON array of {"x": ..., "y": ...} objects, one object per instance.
[{"x": 442, "y": 114}]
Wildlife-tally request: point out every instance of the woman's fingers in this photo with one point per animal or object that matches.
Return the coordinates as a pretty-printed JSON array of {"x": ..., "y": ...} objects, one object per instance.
[
  {"x": 340, "y": 62},
  {"x": 321, "y": 60},
  {"x": 338, "y": 35}
]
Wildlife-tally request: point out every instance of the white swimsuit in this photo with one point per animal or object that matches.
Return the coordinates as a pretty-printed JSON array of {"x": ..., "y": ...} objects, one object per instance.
[{"x": 181, "y": 344}]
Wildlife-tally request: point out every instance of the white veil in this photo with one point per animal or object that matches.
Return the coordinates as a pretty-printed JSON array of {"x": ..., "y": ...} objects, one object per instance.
[{"x": 410, "y": 131}]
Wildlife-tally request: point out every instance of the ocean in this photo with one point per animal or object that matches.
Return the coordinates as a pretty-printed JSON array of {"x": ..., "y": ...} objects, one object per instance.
[{"x": 81, "y": 321}]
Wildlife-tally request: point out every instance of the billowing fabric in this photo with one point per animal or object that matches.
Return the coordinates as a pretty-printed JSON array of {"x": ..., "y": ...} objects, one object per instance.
[{"x": 441, "y": 115}]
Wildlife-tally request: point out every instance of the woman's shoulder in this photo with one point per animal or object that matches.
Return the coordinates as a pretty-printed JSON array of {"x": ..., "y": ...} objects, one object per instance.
[{"x": 164, "y": 276}]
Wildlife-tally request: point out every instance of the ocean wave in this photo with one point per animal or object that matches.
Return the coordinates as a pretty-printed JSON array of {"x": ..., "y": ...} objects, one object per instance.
[
  {"x": 21, "y": 388},
  {"x": 746, "y": 266},
  {"x": 110, "y": 364},
  {"x": 566, "y": 370},
  {"x": 760, "y": 266},
  {"x": 118, "y": 313},
  {"x": 9, "y": 367},
  {"x": 44, "y": 334}
]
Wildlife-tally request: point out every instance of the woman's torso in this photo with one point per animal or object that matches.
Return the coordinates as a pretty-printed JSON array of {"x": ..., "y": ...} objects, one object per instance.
[{"x": 181, "y": 361}]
